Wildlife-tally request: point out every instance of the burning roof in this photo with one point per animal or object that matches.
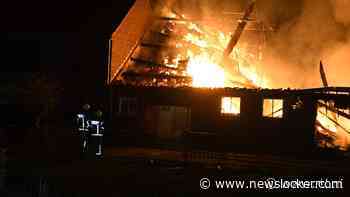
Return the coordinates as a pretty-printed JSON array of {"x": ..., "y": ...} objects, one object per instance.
[{"x": 174, "y": 50}]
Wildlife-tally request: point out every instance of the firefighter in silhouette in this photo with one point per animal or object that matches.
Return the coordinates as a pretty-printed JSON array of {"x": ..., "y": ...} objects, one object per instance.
[
  {"x": 96, "y": 130},
  {"x": 83, "y": 122}
]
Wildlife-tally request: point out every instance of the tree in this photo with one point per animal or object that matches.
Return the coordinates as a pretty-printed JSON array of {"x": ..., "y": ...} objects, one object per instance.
[
  {"x": 30, "y": 102},
  {"x": 42, "y": 96},
  {"x": 39, "y": 95}
]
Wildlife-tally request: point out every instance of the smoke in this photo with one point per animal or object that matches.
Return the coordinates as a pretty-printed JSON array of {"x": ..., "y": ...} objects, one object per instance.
[
  {"x": 320, "y": 31},
  {"x": 341, "y": 11}
]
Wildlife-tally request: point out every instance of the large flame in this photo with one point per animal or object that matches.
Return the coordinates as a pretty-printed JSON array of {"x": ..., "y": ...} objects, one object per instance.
[
  {"x": 205, "y": 72},
  {"x": 206, "y": 69},
  {"x": 205, "y": 65}
]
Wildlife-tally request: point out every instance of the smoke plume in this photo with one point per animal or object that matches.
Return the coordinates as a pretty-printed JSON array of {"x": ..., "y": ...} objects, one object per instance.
[{"x": 319, "y": 31}]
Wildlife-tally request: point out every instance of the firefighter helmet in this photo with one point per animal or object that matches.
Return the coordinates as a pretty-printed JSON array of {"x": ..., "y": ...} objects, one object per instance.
[{"x": 86, "y": 107}]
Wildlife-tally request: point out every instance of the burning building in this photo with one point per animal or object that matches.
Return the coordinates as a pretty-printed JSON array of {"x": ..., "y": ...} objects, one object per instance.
[{"x": 173, "y": 75}]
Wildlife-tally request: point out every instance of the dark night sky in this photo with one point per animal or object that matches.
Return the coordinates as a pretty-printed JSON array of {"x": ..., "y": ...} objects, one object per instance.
[{"x": 67, "y": 38}]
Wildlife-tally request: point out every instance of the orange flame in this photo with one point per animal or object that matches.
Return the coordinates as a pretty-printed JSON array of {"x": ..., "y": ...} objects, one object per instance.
[
  {"x": 204, "y": 66},
  {"x": 205, "y": 72},
  {"x": 335, "y": 123}
]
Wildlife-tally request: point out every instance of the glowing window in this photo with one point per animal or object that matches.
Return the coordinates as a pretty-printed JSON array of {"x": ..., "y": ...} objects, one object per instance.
[
  {"x": 230, "y": 105},
  {"x": 273, "y": 108}
]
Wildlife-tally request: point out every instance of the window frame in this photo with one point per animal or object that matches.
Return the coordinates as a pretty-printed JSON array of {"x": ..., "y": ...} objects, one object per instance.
[
  {"x": 272, "y": 114},
  {"x": 127, "y": 106},
  {"x": 223, "y": 113}
]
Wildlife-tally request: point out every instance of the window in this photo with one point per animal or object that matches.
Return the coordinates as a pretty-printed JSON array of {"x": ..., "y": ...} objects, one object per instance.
[
  {"x": 273, "y": 108},
  {"x": 127, "y": 106},
  {"x": 230, "y": 105}
]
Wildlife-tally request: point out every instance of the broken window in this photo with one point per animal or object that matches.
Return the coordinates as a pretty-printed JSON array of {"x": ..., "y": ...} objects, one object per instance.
[
  {"x": 273, "y": 108},
  {"x": 231, "y": 105},
  {"x": 127, "y": 106}
]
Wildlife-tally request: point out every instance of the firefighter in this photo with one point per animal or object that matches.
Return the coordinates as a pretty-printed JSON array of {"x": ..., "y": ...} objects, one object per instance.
[
  {"x": 83, "y": 121},
  {"x": 80, "y": 123},
  {"x": 96, "y": 129}
]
